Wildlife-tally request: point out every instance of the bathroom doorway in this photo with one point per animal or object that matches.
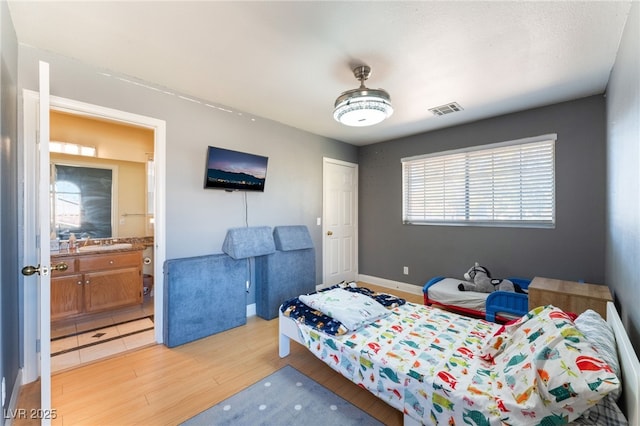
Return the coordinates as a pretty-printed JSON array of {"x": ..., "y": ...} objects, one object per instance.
[
  {"x": 158, "y": 130},
  {"x": 102, "y": 193}
]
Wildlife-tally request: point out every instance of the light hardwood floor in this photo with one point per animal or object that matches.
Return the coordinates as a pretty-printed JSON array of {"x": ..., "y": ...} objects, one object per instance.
[{"x": 161, "y": 386}]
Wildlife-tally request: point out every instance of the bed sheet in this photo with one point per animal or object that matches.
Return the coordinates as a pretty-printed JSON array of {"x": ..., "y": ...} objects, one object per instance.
[
  {"x": 420, "y": 360},
  {"x": 446, "y": 292}
]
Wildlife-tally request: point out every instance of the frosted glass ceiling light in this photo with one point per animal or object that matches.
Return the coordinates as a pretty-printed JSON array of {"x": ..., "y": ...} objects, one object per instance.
[{"x": 362, "y": 106}]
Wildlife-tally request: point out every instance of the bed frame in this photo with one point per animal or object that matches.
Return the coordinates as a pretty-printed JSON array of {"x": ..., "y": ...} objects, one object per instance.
[
  {"x": 629, "y": 364},
  {"x": 500, "y": 306}
]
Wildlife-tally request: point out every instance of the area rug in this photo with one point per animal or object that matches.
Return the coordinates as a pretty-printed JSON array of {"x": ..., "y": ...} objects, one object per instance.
[{"x": 286, "y": 397}]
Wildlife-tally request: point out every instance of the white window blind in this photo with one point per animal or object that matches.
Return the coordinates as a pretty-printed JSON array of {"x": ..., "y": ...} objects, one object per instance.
[{"x": 504, "y": 184}]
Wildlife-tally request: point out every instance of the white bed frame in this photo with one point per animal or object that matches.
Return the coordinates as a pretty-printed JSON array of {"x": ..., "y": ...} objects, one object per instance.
[{"x": 629, "y": 363}]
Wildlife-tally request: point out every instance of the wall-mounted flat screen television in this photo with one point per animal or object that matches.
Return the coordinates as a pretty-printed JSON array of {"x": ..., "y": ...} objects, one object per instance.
[{"x": 234, "y": 170}]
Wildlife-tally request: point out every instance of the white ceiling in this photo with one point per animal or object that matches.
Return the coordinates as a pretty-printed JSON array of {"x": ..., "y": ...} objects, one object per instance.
[{"x": 288, "y": 61}]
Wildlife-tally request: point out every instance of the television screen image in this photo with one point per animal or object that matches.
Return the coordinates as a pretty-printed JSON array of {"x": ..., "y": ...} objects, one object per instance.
[{"x": 234, "y": 170}]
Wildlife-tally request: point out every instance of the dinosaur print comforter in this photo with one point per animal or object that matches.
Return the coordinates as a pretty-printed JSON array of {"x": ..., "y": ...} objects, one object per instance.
[{"x": 437, "y": 367}]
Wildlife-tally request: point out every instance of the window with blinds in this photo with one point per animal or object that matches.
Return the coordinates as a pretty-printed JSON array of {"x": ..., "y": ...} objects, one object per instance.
[{"x": 504, "y": 184}]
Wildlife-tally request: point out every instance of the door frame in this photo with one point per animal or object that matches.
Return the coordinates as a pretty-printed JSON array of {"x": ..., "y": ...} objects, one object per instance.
[
  {"x": 30, "y": 309},
  {"x": 325, "y": 186}
]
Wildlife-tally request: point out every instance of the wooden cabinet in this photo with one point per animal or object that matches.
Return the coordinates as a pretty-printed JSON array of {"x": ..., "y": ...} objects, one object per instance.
[
  {"x": 95, "y": 283},
  {"x": 66, "y": 296},
  {"x": 570, "y": 296},
  {"x": 66, "y": 289},
  {"x": 112, "y": 289}
]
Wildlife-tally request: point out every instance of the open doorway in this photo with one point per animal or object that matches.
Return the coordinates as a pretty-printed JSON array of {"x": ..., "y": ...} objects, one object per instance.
[
  {"x": 102, "y": 197},
  {"x": 156, "y": 203}
]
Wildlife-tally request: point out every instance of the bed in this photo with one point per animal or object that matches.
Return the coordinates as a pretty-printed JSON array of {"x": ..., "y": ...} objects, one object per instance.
[
  {"x": 499, "y": 306},
  {"x": 425, "y": 362}
]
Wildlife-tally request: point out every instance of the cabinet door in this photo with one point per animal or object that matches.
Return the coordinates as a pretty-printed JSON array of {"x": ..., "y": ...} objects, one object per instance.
[
  {"x": 111, "y": 289},
  {"x": 99, "y": 262},
  {"x": 66, "y": 296}
]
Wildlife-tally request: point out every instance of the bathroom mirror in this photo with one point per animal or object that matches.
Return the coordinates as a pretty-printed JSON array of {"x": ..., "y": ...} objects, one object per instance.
[
  {"x": 99, "y": 198},
  {"x": 107, "y": 171},
  {"x": 82, "y": 200}
]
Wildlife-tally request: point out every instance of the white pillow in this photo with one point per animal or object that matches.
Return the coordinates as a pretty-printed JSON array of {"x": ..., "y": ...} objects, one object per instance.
[
  {"x": 600, "y": 334},
  {"x": 352, "y": 309}
]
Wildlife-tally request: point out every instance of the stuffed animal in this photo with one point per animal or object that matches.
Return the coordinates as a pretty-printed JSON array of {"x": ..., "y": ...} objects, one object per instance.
[{"x": 479, "y": 279}]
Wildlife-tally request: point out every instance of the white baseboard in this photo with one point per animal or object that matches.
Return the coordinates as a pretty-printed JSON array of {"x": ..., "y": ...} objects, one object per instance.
[
  {"x": 251, "y": 310},
  {"x": 13, "y": 399},
  {"x": 322, "y": 286},
  {"x": 383, "y": 282}
]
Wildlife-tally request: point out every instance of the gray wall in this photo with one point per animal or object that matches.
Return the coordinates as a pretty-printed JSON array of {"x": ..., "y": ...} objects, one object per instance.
[
  {"x": 623, "y": 177},
  {"x": 574, "y": 250},
  {"x": 198, "y": 219},
  {"x": 9, "y": 244}
]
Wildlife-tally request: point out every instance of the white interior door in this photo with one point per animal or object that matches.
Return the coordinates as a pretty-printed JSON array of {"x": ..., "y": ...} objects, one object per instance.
[
  {"x": 340, "y": 224},
  {"x": 44, "y": 238},
  {"x": 37, "y": 249}
]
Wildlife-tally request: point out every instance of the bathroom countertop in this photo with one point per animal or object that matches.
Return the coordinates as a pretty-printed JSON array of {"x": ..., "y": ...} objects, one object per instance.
[{"x": 65, "y": 253}]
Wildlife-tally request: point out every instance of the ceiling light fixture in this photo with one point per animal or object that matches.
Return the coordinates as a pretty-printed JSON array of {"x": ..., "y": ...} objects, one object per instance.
[{"x": 362, "y": 106}]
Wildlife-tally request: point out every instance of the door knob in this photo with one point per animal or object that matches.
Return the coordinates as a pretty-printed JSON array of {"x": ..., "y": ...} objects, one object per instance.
[
  {"x": 329, "y": 233},
  {"x": 60, "y": 267},
  {"x": 30, "y": 270}
]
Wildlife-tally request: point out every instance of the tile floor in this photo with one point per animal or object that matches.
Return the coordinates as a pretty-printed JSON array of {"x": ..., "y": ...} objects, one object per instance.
[{"x": 81, "y": 341}]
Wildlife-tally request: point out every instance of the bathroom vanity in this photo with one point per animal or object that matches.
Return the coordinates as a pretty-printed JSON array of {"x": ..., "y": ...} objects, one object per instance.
[{"x": 98, "y": 279}]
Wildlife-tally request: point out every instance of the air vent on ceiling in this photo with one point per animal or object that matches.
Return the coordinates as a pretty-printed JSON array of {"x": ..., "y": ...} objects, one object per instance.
[{"x": 446, "y": 109}]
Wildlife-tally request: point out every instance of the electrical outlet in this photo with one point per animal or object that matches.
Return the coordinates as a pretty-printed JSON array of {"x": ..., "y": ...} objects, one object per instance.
[{"x": 405, "y": 270}]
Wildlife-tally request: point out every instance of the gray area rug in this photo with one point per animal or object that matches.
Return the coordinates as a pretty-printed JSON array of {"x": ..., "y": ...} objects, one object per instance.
[{"x": 286, "y": 397}]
